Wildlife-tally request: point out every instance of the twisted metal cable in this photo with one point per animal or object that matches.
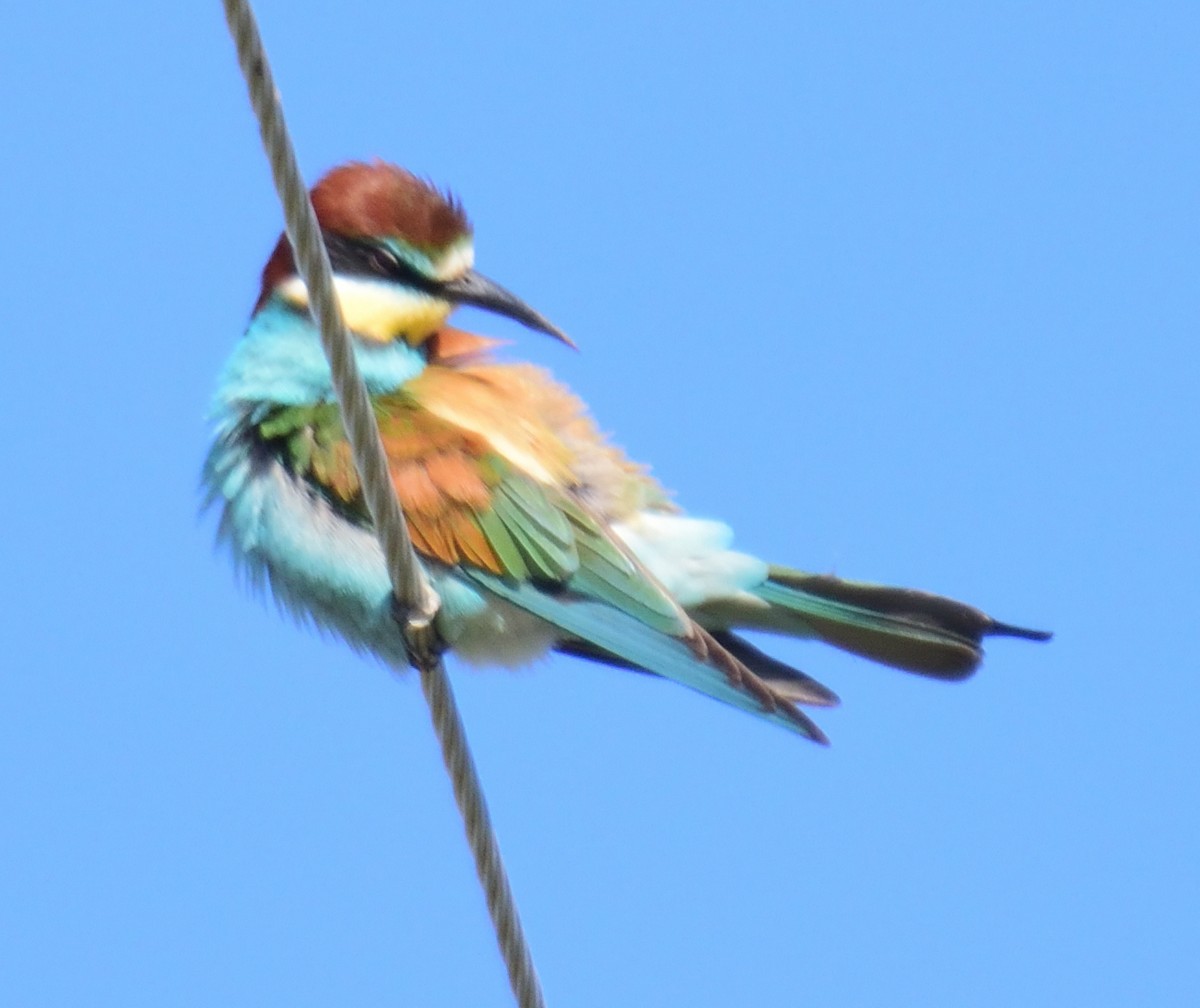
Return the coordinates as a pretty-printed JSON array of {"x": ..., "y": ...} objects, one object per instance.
[{"x": 416, "y": 602}]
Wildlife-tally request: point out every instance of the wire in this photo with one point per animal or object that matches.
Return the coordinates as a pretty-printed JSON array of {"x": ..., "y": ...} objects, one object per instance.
[{"x": 416, "y": 602}]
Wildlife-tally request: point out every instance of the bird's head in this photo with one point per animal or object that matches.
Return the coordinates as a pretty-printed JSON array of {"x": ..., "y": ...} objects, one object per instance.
[{"x": 402, "y": 257}]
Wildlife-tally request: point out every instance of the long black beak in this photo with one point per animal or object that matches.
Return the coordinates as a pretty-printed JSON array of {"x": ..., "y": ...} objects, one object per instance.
[{"x": 475, "y": 289}]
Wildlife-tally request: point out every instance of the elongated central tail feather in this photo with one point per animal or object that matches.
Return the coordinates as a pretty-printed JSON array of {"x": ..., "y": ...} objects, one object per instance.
[{"x": 907, "y": 629}]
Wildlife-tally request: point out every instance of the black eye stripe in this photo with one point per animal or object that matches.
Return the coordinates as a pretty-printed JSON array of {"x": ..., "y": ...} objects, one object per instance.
[{"x": 362, "y": 257}]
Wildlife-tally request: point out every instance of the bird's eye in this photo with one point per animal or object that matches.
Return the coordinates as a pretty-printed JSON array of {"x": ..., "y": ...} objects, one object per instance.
[{"x": 385, "y": 260}]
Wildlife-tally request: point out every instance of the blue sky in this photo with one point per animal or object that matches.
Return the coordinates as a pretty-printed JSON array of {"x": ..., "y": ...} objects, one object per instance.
[{"x": 903, "y": 291}]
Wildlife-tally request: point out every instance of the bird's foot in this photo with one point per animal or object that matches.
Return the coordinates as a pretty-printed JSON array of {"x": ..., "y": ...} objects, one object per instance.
[{"x": 422, "y": 641}]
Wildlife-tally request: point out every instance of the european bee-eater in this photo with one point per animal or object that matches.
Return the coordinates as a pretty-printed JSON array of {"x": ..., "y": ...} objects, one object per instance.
[{"x": 537, "y": 534}]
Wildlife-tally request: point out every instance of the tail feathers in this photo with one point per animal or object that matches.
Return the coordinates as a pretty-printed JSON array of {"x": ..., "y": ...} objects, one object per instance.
[
  {"x": 907, "y": 629},
  {"x": 781, "y": 677},
  {"x": 998, "y": 629},
  {"x": 771, "y": 703},
  {"x": 788, "y": 682}
]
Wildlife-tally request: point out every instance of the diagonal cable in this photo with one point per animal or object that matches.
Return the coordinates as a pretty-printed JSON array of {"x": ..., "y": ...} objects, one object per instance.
[{"x": 416, "y": 602}]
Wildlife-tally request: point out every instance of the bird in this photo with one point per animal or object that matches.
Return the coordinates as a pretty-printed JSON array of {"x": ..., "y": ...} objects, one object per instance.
[{"x": 538, "y": 534}]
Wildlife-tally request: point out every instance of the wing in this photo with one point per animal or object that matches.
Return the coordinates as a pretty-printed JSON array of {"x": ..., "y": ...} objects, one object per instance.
[{"x": 525, "y": 540}]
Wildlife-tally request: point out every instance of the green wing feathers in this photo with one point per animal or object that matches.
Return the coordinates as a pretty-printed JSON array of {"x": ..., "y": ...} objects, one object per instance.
[{"x": 534, "y": 544}]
